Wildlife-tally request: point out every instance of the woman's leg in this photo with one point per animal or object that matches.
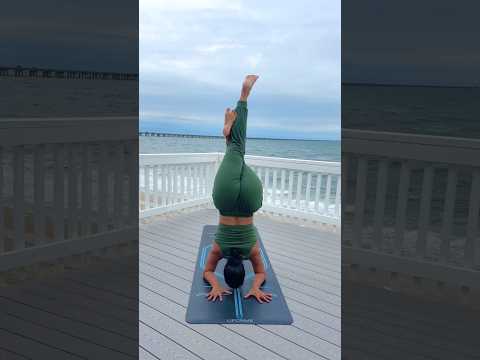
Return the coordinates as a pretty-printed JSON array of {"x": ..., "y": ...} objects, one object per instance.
[
  {"x": 251, "y": 191},
  {"x": 226, "y": 188},
  {"x": 228, "y": 180}
]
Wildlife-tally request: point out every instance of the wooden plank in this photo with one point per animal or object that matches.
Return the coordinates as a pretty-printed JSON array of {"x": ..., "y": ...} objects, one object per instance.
[
  {"x": 59, "y": 223},
  {"x": 146, "y": 180},
  {"x": 182, "y": 334},
  {"x": 2, "y": 214},
  {"x": 380, "y": 204},
  {"x": 88, "y": 337},
  {"x": 118, "y": 185},
  {"x": 290, "y": 187},
  {"x": 327, "y": 255},
  {"x": 425, "y": 204},
  {"x": 307, "y": 191},
  {"x": 48, "y": 335},
  {"x": 472, "y": 246},
  {"x": 359, "y": 202},
  {"x": 179, "y": 296},
  {"x": 39, "y": 194},
  {"x": 338, "y": 197},
  {"x": 31, "y": 348},
  {"x": 86, "y": 190},
  {"x": 103, "y": 172},
  {"x": 400, "y": 216},
  {"x": 19, "y": 198},
  {"x": 299, "y": 190},
  {"x": 157, "y": 294},
  {"x": 448, "y": 210},
  {"x": 317, "y": 191},
  {"x": 282, "y": 188},
  {"x": 328, "y": 193},
  {"x": 184, "y": 260},
  {"x": 195, "y": 181},
  {"x": 274, "y": 187},
  {"x": 182, "y": 183},
  {"x": 162, "y": 346},
  {"x": 163, "y": 185},
  {"x": 133, "y": 181},
  {"x": 267, "y": 185},
  {"x": 72, "y": 191}
]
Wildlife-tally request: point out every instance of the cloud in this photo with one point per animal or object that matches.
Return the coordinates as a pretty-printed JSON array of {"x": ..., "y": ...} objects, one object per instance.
[{"x": 202, "y": 50}]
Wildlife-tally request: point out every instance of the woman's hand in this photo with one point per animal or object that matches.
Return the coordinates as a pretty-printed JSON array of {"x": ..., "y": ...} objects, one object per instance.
[
  {"x": 217, "y": 292},
  {"x": 259, "y": 295}
]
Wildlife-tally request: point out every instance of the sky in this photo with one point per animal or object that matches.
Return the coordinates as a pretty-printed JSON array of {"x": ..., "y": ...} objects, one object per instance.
[
  {"x": 97, "y": 35},
  {"x": 194, "y": 54},
  {"x": 411, "y": 42}
]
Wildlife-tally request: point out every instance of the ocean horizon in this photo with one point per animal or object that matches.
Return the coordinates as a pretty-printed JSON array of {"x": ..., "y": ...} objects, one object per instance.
[{"x": 325, "y": 150}]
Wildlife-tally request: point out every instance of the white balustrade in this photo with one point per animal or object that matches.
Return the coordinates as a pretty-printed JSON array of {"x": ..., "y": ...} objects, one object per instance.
[
  {"x": 62, "y": 187},
  {"x": 171, "y": 182},
  {"x": 400, "y": 204}
]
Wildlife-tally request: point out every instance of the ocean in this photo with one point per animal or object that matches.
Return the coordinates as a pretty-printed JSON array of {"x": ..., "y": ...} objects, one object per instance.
[{"x": 327, "y": 150}]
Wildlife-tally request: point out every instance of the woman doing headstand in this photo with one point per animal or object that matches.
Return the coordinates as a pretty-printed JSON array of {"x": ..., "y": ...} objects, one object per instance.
[{"x": 237, "y": 194}]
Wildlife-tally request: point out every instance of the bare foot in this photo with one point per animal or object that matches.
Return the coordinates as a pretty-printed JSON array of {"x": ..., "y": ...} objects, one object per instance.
[
  {"x": 249, "y": 81},
  {"x": 230, "y": 117},
  {"x": 247, "y": 86}
]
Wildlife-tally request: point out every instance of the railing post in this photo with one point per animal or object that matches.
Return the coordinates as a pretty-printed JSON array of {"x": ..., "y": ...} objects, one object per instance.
[
  {"x": 359, "y": 202},
  {"x": 2, "y": 205},
  {"x": 59, "y": 207},
  {"x": 450, "y": 195},
  {"x": 472, "y": 246},
  {"x": 19, "y": 197},
  {"x": 380, "y": 204},
  {"x": 39, "y": 188}
]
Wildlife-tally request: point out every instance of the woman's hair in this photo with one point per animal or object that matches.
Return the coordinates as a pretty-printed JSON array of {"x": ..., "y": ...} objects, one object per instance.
[{"x": 234, "y": 272}]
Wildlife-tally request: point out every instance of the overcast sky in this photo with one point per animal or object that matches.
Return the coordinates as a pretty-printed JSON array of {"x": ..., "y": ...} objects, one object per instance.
[{"x": 195, "y": 53}]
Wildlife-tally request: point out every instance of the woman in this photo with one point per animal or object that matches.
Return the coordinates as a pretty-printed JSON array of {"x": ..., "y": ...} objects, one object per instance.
[{"x": 237, "y": 194}]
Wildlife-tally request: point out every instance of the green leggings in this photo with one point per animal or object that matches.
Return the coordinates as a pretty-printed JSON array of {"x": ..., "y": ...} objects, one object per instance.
[{"x": 237, "y": 190}]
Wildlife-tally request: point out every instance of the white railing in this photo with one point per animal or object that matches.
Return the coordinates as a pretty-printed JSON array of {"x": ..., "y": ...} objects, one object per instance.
[
  {"x": 63, "y": 186},
  {"x": 298, "y": 188},
  {"x": 411, "y": 203}
]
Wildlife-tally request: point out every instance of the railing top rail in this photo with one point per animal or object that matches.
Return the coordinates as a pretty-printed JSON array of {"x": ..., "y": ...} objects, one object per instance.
[
  {"x": 410, "y": 138},
  {"x": 440, "y": 149},
  {"x": 26, "y": 131},
  {"x": 264, "y": 161}
]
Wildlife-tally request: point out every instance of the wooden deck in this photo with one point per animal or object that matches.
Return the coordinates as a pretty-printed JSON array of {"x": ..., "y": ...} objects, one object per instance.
[
  {"x": 86, "y": 313},
  {"x": 306, "y": 261}
]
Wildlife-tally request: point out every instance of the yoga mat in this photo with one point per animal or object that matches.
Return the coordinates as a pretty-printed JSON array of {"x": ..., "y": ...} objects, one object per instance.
[{"x": 234, "y": 309}]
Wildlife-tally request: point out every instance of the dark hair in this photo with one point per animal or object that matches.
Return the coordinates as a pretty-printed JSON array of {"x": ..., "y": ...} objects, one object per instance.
[{"x": 234, "y": 272}]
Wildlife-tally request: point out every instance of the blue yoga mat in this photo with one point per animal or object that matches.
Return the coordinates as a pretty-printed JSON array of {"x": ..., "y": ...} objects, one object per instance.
[{"x": 234, "y": 309}]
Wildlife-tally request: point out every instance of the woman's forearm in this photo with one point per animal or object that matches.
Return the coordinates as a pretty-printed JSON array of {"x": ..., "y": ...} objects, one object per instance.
[
  {"x": 211, "y": 278},
  {"x": 258, "y": 281}
]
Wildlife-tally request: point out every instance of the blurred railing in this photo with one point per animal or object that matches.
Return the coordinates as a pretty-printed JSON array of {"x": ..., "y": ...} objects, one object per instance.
[
  {"x": 411, "y": 203},
  {"x": 64, "y": 186},
  {"x": 304, "y": 189}
]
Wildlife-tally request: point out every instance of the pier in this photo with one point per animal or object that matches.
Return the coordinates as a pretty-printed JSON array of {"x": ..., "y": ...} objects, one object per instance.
[
  {"x": 162, "y": 134},
  {"x": 44, "y": 73}
]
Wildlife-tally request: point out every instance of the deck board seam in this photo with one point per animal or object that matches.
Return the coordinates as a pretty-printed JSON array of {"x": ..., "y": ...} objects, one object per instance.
[
  {"x": 68, "y": 318},
  {"x": 42, "y": 343},
  {"x": 275, "y": 334},
  {"x": 287, "y": 297},
  {"x": 280, "y": 275},
  {"x": 172, "y": 340},
  {"x": 186, "y": 293},
  {"x": 150, "y": 235}
]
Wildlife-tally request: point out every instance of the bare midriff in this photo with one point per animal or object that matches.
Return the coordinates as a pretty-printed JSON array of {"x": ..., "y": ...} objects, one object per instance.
[{"x": 236, "y": 220}]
